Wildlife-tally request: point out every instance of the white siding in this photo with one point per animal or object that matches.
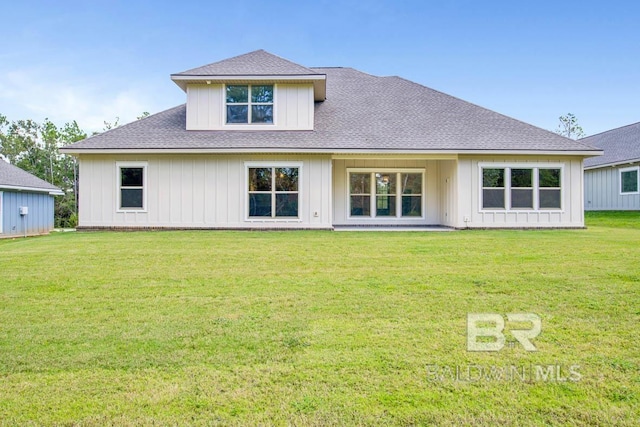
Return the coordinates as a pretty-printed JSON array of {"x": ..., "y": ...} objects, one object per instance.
[
  {"x": 468, "y": 188},
  {"x": 447, "y": 179},
  {"x": 293, "y": 108},
  {"x": 205, "y": 105},
  {"x": 602, "y": 190},
  {"x": 198, "y": 191}
]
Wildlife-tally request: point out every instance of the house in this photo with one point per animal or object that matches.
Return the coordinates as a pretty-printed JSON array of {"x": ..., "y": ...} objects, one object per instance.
[
  {"x": 266, "y": 143},
  {"x": 612, "y": 181},
  {"x": 26, "y": 203}
]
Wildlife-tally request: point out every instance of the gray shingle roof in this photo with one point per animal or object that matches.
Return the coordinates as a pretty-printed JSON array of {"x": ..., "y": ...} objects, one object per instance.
[
  {"x": 14, "y": 177},
  {"x": 361, "y": 113},
  {"x": 620, "y": 145},
  {"x": 253, "y": 63}
]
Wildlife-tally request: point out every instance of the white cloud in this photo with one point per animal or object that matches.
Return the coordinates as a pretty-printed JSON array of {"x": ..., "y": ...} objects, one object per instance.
[{"x": 37, "y": 94}]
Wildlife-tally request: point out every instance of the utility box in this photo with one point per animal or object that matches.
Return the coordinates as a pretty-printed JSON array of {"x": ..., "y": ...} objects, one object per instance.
[{"x": 24, "y": 210}]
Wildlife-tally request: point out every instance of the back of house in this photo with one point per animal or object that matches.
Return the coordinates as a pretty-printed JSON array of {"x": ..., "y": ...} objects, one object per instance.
[{"x": 263, "y": 142}]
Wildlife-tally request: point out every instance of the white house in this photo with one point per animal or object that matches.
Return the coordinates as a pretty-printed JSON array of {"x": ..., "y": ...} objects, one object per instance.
[
  {"x": 265, "y": 143},
  {"x": 612, "y": 181}
]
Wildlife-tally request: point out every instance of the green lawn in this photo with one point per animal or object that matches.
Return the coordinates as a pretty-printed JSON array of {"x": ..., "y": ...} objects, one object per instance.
[{"x": 319, "y": 328}]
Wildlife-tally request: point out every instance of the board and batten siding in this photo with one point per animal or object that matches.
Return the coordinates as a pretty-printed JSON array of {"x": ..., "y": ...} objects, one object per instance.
[
  {"x": 39, "y": 220},
  {"x": 197, "y": 191},
  {"x": 293, "y": 108},
  {"x": 602, "y": 190},
  {"x": 448, "y": 192},
  {"x": 468, "y": 187}
]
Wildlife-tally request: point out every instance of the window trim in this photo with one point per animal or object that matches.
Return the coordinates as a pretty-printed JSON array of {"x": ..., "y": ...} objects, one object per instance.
[
  {"x": 145, "y": 184},
  {"x": 249, "y": 104},
  {"x": 1, "y": 209},
  {"x": 629, "y": 169},
  {"x": 287, "y": 164},
  {"x": 507, "y": 188},
  {"x": 373, "y": 195}
]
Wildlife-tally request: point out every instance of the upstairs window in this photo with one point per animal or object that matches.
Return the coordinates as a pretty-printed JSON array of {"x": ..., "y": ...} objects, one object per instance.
[
  {"x": 629, "y": 180},
  {"x": 249, "y": 104}
]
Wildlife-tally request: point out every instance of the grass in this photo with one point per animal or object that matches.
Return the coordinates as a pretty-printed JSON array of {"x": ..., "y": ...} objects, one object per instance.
[{"x": 318, "y": 328}]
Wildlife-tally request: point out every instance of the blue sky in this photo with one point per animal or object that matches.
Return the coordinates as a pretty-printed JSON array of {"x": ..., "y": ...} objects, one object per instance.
[{"x": 91, "y": 61}]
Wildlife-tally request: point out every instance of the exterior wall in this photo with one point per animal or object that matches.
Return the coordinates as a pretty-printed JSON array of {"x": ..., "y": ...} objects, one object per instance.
[
  {"x": 602, "y": 190},
  {"x": 293, "y": 108},
  {"x": 431, "y": 204},
  {"x": 468, "y": 186},
  {"x": 198, "y": 191},
  {"x": 39, "y": 220},
  {"x": 447, "y": 179}
]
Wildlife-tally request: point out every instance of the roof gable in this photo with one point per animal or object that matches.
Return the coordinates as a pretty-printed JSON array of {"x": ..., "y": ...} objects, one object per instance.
[
  {"x": 12, "y": 177},
  {"x": 256, "y": 63},
  {"x": 256, "y": 66},
  {"x": 621, "y": 145}
]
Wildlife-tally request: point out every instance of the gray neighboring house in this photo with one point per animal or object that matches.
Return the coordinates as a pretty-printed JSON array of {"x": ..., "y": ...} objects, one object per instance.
[
  {"x": 263, "y": 142},
  {"x": 612, "y": 181},
  {"x": 26, "y": 202}
]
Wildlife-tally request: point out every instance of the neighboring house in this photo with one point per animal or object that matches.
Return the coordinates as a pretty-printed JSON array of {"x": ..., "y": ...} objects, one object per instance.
[
  {"x": 26, "y": 202},
  {"x": 266, "y": 143},
  {"x": 612, "y": 181}
]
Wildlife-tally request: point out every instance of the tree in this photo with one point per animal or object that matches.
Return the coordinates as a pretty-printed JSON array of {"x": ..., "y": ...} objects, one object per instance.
[
  {"x": 569, "y": 127},
  {"x": 144, "y": 114},
  {"x": 35, "y": 148}
]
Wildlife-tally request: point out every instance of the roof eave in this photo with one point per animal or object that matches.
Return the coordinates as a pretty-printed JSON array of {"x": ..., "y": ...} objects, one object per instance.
[
  {"x": 613, "y": 164},
  {"x": 319, "y": 80},
  {"x": 52, "y": 192},
  {"x": 77, "y": 151}
]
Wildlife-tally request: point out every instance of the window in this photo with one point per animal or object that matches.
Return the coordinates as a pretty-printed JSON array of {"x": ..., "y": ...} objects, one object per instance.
[
  {"x": 273, "y": 192},
  {"x": 519, "y": 188},
  {"x": 360, "y": 194},
  {"x": 629, "y": 180},
  {"x": 549, "y": 182},
  {"x": 131, "y": 186},
  {"x": 385, "y": 194},
  {"x": 249, "y": 104},
  {"x": 493, "y": 188}
]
